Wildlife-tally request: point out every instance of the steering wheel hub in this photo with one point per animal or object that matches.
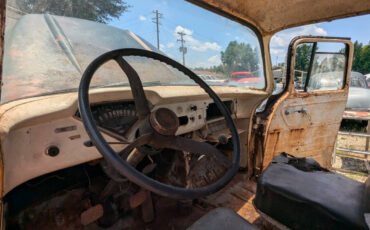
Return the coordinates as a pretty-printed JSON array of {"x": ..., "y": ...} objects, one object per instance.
[{"x": 164, "y": 121}]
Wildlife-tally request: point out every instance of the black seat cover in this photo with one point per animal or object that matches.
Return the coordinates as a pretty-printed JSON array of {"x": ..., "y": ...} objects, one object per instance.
[
  {"x": 221, "y": 219},
  {"x": 305, "y": 196},
  {"x": 367, "y": 195}
]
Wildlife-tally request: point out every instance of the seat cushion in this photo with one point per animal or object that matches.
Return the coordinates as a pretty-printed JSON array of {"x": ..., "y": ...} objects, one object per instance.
[
  {"x": 367, "y": 195},
  {"x": 221, "y": 219},
  {"x": 309, "y": 197}
]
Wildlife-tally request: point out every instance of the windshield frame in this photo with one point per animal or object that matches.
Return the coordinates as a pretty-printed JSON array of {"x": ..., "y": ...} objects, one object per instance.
[{"x": 3, "y": 5}]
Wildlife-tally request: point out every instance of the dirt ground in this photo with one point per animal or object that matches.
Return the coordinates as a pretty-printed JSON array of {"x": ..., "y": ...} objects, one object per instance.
[{"x": 355, "y": 166}]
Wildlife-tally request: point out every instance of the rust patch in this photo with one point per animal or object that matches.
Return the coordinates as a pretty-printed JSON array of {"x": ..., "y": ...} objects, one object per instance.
[
  {"x": 92, "y": 214},
  {"x": 2, "y": 30},
  {"x": 274, "y": 140}
]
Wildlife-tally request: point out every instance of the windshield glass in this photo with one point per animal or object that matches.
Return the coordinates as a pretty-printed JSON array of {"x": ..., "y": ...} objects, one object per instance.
[{"x": 48, "y": 45}]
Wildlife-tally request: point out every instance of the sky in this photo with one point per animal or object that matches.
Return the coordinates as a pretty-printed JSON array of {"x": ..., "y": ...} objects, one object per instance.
[
  {"x": 207, "y": 34},
  {"x": 356, "y": 28}
]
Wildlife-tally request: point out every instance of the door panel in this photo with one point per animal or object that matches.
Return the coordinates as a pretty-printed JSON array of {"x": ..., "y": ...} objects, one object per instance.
[
  {"x": 305, "y": 119},
  {"x": 311, "y": 133}
]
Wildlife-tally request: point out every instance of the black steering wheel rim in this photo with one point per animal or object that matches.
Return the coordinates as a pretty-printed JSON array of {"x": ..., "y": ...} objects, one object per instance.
[{"x": 122, "y": 166}]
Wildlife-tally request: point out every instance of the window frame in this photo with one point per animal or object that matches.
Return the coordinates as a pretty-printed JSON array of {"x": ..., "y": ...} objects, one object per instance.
[{"x": 314, "y": 39}]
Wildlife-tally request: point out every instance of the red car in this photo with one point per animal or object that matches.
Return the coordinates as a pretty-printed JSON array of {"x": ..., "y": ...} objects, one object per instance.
[{"x": 243, "y": 77}]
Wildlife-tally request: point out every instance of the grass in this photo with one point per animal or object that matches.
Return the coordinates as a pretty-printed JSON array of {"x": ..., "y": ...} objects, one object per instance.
[{"x": 361, "y": 177}]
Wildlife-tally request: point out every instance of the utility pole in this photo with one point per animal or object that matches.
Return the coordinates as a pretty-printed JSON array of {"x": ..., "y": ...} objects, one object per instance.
[
  {"x": 156, "y": 21},
  {"x": 182, "y": 48}
]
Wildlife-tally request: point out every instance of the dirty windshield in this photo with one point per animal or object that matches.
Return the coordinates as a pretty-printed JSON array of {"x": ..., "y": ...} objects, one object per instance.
[{"x": 49, "y": 44}]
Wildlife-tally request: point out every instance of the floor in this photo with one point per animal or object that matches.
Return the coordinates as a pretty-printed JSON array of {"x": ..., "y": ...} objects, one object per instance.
[{"x": 238, "y": 196}]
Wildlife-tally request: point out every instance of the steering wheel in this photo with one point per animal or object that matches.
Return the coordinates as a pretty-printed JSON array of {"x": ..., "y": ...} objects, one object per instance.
[{"x": 157, "y": 128}]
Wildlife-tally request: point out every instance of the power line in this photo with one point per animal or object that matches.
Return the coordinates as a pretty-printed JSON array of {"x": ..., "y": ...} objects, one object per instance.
[
  {"x": 182, "y": 48},
  {"x": 156, "y": 21}
]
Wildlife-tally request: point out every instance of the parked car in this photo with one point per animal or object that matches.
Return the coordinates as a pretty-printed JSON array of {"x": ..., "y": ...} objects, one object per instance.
[
  {"x": 243, "y": 77},
  {"x": 212, "y": 79},
  {"x": 359, "y": 93},
  {"x": 368, "y": 79}
]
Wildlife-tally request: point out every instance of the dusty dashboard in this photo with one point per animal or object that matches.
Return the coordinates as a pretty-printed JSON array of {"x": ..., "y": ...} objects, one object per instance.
[
  {"x": 118, "y": 116},
  {"x": 37, "y": 125},
  {"x": 68, "y": 136}
]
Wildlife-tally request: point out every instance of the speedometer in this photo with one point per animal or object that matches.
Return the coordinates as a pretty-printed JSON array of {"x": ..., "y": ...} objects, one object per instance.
[{"x": 116, "y": 117}]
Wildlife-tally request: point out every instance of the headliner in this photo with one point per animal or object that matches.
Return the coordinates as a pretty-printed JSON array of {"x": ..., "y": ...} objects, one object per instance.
[{"x": 271, "y": 16}]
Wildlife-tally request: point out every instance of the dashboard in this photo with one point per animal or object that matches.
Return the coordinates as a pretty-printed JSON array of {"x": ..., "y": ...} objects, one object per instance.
[
  {"x": 31, "y": 128},
  {"x": 118, "y": 116}
]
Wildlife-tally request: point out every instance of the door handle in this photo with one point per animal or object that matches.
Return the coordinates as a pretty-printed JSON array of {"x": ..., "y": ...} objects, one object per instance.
[{"x": 301, "y": 110}]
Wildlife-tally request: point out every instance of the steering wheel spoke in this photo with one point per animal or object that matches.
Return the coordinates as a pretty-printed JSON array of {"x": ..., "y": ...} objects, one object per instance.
[
  {"x": 142, "y": 140},
  {"x": 141, "y": 103}
]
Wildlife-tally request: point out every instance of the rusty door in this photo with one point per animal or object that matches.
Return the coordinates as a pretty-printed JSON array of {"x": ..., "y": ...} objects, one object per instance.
[{"x": 303, "y": 120}]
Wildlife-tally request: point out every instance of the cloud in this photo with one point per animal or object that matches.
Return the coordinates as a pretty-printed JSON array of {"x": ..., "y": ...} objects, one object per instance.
[
  {"x": 276, "y": 51},
  {"x": 179, "y": 29},
  {"x": 142, "y": 18},
  {"x": 206, "y": 46},
  {"x": 211, "y": 61},
  {"x": 280, "y": 41},
  {"x": 214, "y": 60},
  {"x": 195, "y": 44},
  {"x": 170, "y": 45},
  {"x": 162, "y": 47}
]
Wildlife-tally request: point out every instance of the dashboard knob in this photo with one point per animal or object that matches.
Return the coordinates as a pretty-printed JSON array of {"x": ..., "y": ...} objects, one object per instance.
[
  {"x": 52, "y": 151},
  {"x": 222, "y": 139}
]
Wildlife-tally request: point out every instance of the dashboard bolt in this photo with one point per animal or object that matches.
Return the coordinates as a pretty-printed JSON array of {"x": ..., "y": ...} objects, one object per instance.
[
  {"x": 88, "y": 144},
  {"x": 52, "y": 151}
]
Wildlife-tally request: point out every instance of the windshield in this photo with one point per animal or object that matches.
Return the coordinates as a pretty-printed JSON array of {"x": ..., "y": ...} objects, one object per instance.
[
  {"x": 49, "y": 44},
  {"x": 358, "y": 80}
]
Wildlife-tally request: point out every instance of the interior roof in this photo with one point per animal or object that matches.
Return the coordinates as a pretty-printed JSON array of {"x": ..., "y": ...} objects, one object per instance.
[{"x": 271, "y": 16}]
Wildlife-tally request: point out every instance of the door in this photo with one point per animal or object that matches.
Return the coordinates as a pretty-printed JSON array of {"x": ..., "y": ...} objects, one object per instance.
[{"x": 303, "y": 120}]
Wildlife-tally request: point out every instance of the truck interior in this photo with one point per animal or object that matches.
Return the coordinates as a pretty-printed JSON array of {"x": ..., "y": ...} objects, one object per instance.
[{"x": 101, "y": 129}]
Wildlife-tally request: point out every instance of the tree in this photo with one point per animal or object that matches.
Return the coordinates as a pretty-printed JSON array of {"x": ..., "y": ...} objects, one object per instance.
[
  {"x": 356, "y": 66},
  {"x": 361, "y": 58},
  {"x": 95, "y": 10},
  {"x": 303, "y": 56},
  {"x": 364, "y": 60},
  {"x": 239, "y": 57}
]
